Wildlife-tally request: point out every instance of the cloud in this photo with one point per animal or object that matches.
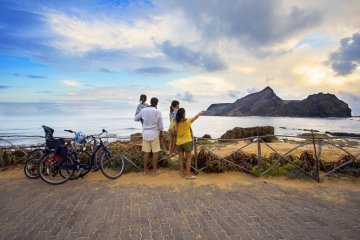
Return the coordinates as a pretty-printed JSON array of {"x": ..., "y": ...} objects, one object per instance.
[
  {"x": 44, "y": 92},
  {"x": 104, "y": 70},
  {"x": 255, "y": 24},
  {"x": 252, "y": 90},
  {"x": 245, "y": 70},
  {"x": 346, "y": 59},
  {"x": 269, "y": 79},
  {"x": 188, "y": 97},
  {"x": 70, "y": 83},
  {"x": 233, "y": 93},
  {"x": 154, "y": 71},
  {"x": 343, "y": 68},
  {"x": 29, "y": 76},
  {"x": 4, "y": 87},
  {"x": 34, "y": 76},
  {"x": 351, "y": 96},
  {"x": 185, "y": 56},
  {"x": 204, "y": 85}
]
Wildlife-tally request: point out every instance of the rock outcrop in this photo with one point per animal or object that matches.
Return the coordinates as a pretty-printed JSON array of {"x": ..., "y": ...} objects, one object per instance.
[
  {"x": 266, "y": 103},
  {"x": 238, "y": 132},
  {"x": 343, "y": 134}
]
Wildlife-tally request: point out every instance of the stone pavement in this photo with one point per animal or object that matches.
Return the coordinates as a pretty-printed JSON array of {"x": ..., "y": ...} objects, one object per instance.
[{"x": 101, "y": 209}]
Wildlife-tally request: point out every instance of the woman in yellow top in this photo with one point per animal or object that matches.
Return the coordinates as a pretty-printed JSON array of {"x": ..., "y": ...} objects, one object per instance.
[{"x": 184, "y": 140}]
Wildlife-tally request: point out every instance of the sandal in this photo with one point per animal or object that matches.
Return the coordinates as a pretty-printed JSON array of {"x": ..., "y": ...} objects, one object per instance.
[
  {"x": 156, "y": 173},
  {"x": 191, "y": 177}
]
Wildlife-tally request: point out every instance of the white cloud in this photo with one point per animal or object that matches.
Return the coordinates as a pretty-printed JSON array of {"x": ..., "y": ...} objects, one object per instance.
[
  {"x": 71, "y": 83},
  {"x": 80, "y": 35},
  {"x": 246, "y": 70},
  {"x": 204, "y": 85}
]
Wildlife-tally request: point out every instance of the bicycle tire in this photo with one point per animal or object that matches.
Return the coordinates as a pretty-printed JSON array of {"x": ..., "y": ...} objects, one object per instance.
[
  {"x": 111, "y": 163},
  {"x": 31, "y": 168},
  {"x": 38, "y": 152},
  {"x": 82, "y": 157},
  {"x": 85, "y": 158},
  {"x": 50, "y": 172}
]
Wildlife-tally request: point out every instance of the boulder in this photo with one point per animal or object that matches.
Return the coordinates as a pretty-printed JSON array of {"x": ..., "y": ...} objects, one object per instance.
[
  {"x": 135, "y": 137},
  {"x": 239, "y": 132}
]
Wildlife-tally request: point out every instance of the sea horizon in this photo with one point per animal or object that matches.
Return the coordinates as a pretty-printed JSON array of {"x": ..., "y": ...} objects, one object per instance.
[{"x": 15, "y": 131}]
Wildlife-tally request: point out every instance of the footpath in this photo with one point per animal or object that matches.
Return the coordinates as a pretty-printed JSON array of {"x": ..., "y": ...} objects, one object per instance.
[{"x": 214, "y": 206}]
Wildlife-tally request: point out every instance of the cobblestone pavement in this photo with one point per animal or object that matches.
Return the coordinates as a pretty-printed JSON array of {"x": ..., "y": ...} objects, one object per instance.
[{"x": 32, "y": 209}]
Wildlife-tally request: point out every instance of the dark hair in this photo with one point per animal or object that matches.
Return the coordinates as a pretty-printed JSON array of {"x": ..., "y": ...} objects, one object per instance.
[
  {"x": 154, "y": 101},
  {"x": 173, "y": 105},
  {"x": 143, "y": 98},
  {"x": 179, "y": 114}
]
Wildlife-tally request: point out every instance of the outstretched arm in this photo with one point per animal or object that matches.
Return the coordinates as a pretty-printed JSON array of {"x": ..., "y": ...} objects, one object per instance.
[{"x": 197, "y": 115}]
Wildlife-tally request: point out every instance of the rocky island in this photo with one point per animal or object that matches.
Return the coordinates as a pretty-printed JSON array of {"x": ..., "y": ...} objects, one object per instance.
[{"x": 266, "y": 103}]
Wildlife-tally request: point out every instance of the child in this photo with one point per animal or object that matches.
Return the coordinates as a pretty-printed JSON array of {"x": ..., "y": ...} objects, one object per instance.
[
  {"x": 141, "y": 105},
  {"x": 173, "y": 110},
  {"x": 184, "y": 140}
]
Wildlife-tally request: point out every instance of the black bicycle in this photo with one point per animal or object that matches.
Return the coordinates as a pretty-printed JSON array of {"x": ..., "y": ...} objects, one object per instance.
[
  {"x": 33, "y": 158},
  {"x": 55, "y": 170}
]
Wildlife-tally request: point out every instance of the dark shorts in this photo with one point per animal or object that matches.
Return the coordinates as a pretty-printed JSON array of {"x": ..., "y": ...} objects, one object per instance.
[{"x": 186, "y": 147}]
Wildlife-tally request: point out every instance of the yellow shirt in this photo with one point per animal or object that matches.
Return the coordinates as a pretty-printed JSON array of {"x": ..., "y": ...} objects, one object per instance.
[{"x": 183, "y": 132}]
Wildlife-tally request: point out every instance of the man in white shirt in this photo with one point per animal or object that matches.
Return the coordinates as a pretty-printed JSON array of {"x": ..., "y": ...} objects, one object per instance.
[{"x": 152, "y": 131}]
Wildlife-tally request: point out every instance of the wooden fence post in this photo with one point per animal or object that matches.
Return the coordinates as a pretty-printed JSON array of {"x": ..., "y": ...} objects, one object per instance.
[
  {"x": 1, "y": 159},
  {"x": 259, "y": 153}
]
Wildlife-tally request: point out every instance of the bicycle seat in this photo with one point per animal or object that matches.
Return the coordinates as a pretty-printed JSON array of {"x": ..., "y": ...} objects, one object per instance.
[{"x": 54, "y": 143}]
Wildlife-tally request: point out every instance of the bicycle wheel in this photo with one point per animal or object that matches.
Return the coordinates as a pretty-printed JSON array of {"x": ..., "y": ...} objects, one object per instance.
[
  {"x": 31, "y": 168},
  {"x": 111, "y": 163},
  {"x": 55, "y": 172},
  {"x": 85, "y": 158},
  {"x": 82, "y": 157},
  {"x": 37, "y": 153}
]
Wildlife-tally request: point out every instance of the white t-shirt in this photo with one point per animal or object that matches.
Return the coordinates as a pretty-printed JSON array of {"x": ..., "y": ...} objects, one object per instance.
[{"x": 153, "y": 122}]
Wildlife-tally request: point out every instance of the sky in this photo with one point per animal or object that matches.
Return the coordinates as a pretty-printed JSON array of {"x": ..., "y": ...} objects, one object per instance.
[{"x": 96, "y": 57}]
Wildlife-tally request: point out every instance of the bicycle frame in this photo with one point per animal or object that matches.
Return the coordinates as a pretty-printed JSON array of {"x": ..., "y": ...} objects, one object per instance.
[{"x": 84, "y": 166}]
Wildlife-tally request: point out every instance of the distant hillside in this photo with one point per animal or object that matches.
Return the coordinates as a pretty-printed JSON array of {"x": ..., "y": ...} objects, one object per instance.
[{"x": 266, "y": 103}]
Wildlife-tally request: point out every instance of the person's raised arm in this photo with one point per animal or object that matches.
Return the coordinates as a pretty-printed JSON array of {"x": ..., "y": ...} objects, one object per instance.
[{"x": 196, "y": 117}]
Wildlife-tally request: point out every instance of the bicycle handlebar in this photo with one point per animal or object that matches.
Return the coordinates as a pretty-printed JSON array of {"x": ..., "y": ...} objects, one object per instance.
[
  {"x": 70, "y": 131},
  {"x": 92, "y": 136}
]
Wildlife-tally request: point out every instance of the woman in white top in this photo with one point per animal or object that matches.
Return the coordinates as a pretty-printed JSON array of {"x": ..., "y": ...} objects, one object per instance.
[
  {"x": 173, "y": 110},
  {"x": 141, "y": 105}
]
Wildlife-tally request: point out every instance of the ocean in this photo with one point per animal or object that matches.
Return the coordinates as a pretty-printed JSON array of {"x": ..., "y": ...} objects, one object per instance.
[{"x": 22, "y": 131}]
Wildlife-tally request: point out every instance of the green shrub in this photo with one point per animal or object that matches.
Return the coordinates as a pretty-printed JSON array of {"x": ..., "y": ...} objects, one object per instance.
[
  {"x": 277, "y": 171},
  {"x": 289, "y": 167}
]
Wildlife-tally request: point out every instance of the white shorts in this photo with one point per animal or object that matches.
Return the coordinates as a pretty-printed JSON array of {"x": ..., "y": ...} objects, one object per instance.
[{"x": 151, "y": 146}]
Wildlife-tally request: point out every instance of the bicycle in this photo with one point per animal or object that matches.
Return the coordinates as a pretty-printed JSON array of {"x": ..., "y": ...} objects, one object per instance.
[
  {"x": 31, "y": 165},
  {"x": 56, "y": 171}
]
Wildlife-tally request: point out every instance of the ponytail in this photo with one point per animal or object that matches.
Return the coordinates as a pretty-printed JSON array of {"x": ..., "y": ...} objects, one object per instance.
[
  {"x": 173, "y": 105},
  {"x": 143, "y": 98}
]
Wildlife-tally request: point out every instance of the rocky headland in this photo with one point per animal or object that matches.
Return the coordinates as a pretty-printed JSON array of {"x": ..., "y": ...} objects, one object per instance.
[{"x": 266, "y": 103}]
